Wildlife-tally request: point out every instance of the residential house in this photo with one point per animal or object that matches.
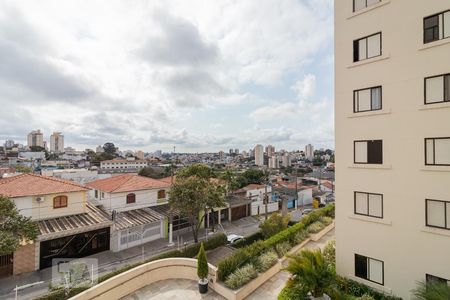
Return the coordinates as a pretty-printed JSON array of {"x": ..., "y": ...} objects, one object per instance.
[
  {"x": 69, "y": 227},
  {"x": 256, "y": 193},
  {"x": 130, "y": 200}
]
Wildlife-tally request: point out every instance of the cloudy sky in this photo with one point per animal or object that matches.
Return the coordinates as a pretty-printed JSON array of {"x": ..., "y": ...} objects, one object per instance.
[{"x": 198, "y": 75}]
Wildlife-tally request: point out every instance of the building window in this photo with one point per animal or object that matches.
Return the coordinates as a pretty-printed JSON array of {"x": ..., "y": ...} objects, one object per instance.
[
  {"x": 436, "y": 27},
  {"x": 60, "y": 201},
  {"x": 368, "y": 152},
  {"x": 437, "y": 151},
  {"x": 437, "y": 88},
  {"x": 361, "y": 4},
  {"x": 436, "y": 279},
  {"x": 367, "y": 99},
  {"x": 161, "y": 194},
  {"x": 367, "y": 47},
  {"x": 369, "y": 204},
  {"x": 96, "y": 194},
  {"x": 131, "y": 198},
  {"x": 437, "y": 213},
  {"x": 369, "y": 269},
  {"x": 103, "y": 195}
]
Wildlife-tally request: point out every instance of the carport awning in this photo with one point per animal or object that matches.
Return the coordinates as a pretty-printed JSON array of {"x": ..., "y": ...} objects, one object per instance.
[
  {"x": 136, "y": 217},
  {"x": 236, "y": 201}
]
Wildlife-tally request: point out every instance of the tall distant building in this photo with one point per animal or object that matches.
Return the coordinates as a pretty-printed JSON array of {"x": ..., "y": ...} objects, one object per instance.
[
  {"x": 236, "y": 151},
  {"x": 57, "y": 142},
  {"x": 309, "y": 151},
  {"x": 286, "y": 160},
  {"x": 140, "y": 154},
  {"x": 9, "y": 144},
  {"x": 35, "y": 138},
  {"x": 259, "y": 155},
  {"x": 392, "y": 93},
  {"x": 274, "y": 162},
  {"x": 270, "y": 150}
]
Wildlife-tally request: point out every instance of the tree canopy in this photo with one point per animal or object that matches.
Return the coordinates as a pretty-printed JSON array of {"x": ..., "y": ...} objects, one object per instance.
[
  {"x": 199, "y": 170},
  {"x": 151, "y": 173},
  {"x": 14, "y": 228},
  {"x": 109, "y": 148}
]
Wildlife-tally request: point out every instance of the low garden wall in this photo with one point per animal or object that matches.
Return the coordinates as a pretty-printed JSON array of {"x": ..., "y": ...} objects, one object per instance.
[{"x": 141, "y": 276}]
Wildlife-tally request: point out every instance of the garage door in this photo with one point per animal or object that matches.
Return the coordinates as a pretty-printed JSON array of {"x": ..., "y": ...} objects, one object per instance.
[
  {"x": 6, "y": 265},
  {"x": 238, "y": 212}
]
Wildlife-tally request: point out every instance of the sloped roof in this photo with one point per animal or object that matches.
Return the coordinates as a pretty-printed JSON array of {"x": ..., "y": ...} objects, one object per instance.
[
  {"x": 126, "y": 183},
  {"x": 32, "y": 185},
  {"x": 93, "y": 216},
  {"x": 136, "y": 217}
]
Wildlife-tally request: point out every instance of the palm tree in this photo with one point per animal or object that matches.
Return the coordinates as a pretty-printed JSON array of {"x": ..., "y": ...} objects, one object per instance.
[
  {"x": 433, "y": 290},
  {"x": 312, "y": 272}
]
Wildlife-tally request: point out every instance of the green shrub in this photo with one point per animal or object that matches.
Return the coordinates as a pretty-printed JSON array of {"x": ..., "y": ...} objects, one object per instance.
[
  {"x": 241, "y": 276},
  {"x": 357, "y": 289},
  {"x": 266, "y": 260},
  {"x": 300, "y": 236},
  {"x": 326, "y": 220},
  {"x": 316, "y": 227},
  {"x": 282, "y": 248},
  {"x": 366, "y": 297},
  {"x": 230, "y": 264},
  {"x": 60, "y": 294},
  {"x": 293, "y": 291},
  {"x": 202, "y": 263},
  {"x": 215, "y": 241},
  {"x": 248, "y": 240},
  {"x": 329, "y": 253},
  {"x": 274, "y": 224}
]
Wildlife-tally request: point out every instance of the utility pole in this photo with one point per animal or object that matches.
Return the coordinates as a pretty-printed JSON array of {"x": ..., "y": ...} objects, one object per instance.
[{"x": 266, "y": 200}]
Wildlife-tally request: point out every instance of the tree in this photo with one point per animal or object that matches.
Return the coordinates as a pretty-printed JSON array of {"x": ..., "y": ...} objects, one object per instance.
[
  {"x": 432, "y": 290},
  {"x": 254, "y": 176},
  {"x": 23, "y": 169},
  {"x": 199, "y": 170},
  {"x": 312, "y": 273},
  {"x": 274, "y": 224},
  {"x": 109, "y": 148},
  {"x": 37, "y": 149},
  {"x": 14, "y": 228},
  {"x": 202, "y": 264},
  {"x": 193, "y": 195},
  {"x": 151, "y": 173},
  {"x": 230, "y": 178}
]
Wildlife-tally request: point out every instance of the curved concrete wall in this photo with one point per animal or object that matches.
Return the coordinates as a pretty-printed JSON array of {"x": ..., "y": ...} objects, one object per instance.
[{"x": 137, "y": 278}]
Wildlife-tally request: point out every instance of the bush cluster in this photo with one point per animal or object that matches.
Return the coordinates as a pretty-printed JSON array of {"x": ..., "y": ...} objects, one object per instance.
[
  {"x": 241, "y": 276},
  {"x": 357, "y": 289},
  {"x": 266, "y": 260},
  {"x": 248, "y": 240},
  {"x": 316, "y": 227},
  {"x": 278, "y": 242}
]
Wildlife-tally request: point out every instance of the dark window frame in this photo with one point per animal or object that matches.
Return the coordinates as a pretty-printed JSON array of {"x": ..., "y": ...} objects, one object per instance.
[
  {"x": 96, "y": 193},
  {"x": 445, "y": 91},
  {"x": 366, "y": 163},
  {"x": 368, "y": 202},
  {"x": 447, "y": 226},
  {"x": 443, "y": 26},
  {"x": 365, "y": 6},
  {"x": 59, "y": 200},
  {"x": 434, "y": 151},
  {"x": 368, "y": 269},
  {"x": 356, "y": 42},
  {"x": 163, "y": 192},
  {"x": 355, "y": 93},
  {"x": 131, "y": 198}
]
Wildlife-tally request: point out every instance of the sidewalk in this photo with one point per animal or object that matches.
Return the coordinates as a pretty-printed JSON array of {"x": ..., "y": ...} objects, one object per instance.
[{"x": 109, "y": 261}]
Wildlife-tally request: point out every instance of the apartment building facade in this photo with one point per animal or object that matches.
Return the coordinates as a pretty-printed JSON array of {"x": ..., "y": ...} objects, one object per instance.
[
  {"x": 392, "y": 93},
  {"x": 57, "y": 142}
]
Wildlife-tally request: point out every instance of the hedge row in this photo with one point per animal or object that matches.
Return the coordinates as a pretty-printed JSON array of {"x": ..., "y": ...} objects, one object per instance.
[
  {"x": 248, "y": 240},
  {"x": 213, "y": 242},
  {"x": 251, "y": 252}
]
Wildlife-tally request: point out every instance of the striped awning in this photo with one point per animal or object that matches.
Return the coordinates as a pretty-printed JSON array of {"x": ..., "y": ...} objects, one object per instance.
[
  {"x": 94, "y": 217},
  {"x": 136, "y": 217}
]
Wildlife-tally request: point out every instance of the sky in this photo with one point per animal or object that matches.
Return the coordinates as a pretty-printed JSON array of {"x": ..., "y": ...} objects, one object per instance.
[{"x": 198, "y": 75}]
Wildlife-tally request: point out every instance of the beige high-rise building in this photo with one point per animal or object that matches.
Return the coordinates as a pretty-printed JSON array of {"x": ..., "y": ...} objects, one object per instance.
[
  {"x": 35, "y": 138},
  {"x": 259, "y": 155},
  {"x": 392, "y": 115},
  {"x": 309, "y": 151},
  {"x": 57, "y": 142},
  {"x": 270, "y": 150}
]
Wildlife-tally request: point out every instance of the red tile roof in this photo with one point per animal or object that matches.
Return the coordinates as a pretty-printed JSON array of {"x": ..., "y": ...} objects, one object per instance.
[
  {"x": 32, "y": 185},
  {"x": 127, "y": 183}
]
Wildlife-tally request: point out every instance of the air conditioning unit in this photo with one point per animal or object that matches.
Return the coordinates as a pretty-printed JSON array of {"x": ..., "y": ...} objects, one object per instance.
[{"x": 40, "y": 199}]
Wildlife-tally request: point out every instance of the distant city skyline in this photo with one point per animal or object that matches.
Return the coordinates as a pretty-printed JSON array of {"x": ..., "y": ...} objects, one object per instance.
[{"x": 192, "y": 74}]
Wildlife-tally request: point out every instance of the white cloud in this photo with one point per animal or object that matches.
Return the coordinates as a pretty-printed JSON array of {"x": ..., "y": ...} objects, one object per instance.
[{"x": 138, "y": 73}]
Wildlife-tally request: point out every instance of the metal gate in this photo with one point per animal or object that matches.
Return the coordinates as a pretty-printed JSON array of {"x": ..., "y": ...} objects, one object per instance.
[{"x": 6, "y": 265}]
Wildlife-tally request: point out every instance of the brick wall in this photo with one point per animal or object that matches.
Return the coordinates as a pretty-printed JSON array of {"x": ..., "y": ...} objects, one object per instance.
[{"x": 24, "y": 259}]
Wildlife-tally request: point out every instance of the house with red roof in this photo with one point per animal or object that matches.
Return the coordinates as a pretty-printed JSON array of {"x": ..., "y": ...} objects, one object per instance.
[
  {"x": 137, "y": 205},
  {"x": 69, "y": 227}
]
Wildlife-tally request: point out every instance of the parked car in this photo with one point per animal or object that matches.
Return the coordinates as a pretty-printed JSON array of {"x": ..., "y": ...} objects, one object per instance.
[
  {"x": 307, "y": 211},
  {"x": 233, "y": 238}
]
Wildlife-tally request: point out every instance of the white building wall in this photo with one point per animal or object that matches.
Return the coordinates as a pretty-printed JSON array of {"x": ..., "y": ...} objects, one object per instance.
[
  {"x": 408, "y": 248},
  {"x": 118, "y": 201}
]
